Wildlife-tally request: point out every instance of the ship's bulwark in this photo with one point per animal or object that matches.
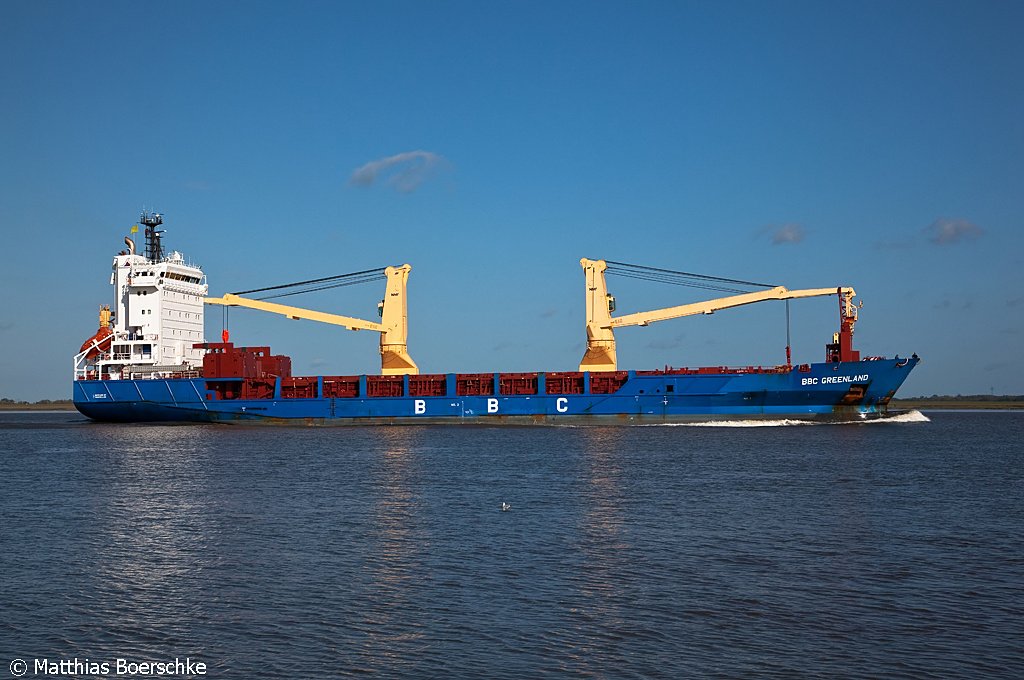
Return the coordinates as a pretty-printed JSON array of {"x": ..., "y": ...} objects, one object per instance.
[{"x": 840, "y": 390}]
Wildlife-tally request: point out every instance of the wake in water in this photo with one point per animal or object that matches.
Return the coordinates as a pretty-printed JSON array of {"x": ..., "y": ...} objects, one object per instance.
[
  {"x": 907, "y": 417},
  {"x": 913, "y": 416}
]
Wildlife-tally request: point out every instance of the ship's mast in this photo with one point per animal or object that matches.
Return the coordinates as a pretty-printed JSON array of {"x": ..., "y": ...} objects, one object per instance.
[{"x": 154, "y": 249}]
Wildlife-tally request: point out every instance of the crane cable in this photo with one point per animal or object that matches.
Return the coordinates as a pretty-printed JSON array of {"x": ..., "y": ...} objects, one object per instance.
[
  {"x": 679, "y": 278},
  {"x": 328, "y": 282}
]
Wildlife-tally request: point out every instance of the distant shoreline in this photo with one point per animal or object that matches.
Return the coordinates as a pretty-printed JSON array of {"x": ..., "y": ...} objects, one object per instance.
[
  {"x": 926, "y": 404},
  {"x": 987, "y": 404},
  {"x": 52, "y": 406}
]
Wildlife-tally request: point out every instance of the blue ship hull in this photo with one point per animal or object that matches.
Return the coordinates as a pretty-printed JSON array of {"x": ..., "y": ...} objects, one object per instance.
[{"x": 839, "y": 390}]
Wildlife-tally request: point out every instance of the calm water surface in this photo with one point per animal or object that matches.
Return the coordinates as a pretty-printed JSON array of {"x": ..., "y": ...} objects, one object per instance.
[{"x": 867, "y": 550}]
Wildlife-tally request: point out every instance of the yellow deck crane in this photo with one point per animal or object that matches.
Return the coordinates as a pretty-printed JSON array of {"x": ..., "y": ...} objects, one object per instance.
[
  {"x": 393, "y": 325},
  {"x": 600, "y": 354}
]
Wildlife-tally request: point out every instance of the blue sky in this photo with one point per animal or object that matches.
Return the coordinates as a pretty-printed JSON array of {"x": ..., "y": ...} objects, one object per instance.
[{"x": 810, "y": 144}]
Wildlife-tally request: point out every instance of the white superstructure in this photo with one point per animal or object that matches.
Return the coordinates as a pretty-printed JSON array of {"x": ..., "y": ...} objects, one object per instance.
[{"x": 156, "y": 316}]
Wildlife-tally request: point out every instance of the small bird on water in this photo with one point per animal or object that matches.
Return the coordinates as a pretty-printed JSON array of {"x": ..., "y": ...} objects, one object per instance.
[{"x": 505, "y": 507}]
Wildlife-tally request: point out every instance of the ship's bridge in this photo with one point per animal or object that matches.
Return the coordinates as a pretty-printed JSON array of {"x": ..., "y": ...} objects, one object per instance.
[{"x": 156, "y": 316}]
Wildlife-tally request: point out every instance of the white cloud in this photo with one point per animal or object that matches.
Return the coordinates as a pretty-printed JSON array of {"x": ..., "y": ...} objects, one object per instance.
[
  {"x": 404, "y": 172},
  {"x": 944, "y": 231},
  {"x": 787, "y": 233}
]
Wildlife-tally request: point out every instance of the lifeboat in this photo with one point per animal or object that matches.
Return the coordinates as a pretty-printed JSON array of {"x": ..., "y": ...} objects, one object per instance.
[{"x": 100, "y": 342}]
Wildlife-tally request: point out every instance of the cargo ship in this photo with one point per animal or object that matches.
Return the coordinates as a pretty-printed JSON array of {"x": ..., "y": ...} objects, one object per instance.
[{"x": 149, "y": 361}]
